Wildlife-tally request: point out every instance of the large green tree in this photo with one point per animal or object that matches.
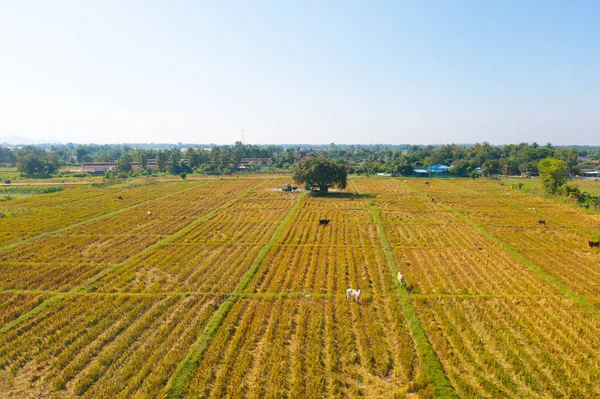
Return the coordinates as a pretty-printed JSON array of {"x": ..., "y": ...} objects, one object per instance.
[
  {"x": 320, "y": 172},
  {"x": 31, "y": 166},
  {"x": 553, "y": 173},
  {"x": 124, "y": 163}
]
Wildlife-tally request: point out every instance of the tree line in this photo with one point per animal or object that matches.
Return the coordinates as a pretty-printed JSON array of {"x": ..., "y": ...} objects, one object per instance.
[{"x": 512, "y": 159}]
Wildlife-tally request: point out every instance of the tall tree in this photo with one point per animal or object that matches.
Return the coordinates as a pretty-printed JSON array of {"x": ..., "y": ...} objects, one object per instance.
[
  {"x": 31, "y": 166},
  {"x": 553, "y": 173},
  {"x": 320, "y": 172},
  {"x": 124, "y": 163}
]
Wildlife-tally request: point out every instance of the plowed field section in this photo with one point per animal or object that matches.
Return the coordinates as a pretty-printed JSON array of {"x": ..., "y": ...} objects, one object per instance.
[
  {"x": 232, "y": 288},
  {"x": 307, "y": 348},
  {"x": 49, "y": 212},
  {"x": 495, "y": 289},
  {"x": 102, "y": 346}
]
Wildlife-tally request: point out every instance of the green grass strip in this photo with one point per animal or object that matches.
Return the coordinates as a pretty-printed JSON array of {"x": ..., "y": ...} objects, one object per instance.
[
  {"x": 186, "y": 369},
  {"x": 81, "y": 288},
  {"x": 93, "y": 219},
  {"x": 432, "y": 366}
]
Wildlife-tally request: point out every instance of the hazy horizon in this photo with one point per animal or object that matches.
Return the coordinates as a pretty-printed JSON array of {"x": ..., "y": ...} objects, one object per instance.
[{"x": 301, "y": 72}]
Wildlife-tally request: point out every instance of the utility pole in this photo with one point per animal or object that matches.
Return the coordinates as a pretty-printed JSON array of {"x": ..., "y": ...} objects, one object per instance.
[{"x": 242, "y": 136}]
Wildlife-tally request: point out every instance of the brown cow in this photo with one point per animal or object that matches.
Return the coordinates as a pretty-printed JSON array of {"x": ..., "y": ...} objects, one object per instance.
[
  {"x": 541, "y": 221},
  {"x": 594, "y": 244}
]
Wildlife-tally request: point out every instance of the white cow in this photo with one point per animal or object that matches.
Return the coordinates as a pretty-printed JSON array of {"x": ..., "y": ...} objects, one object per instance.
[
  {"x": 149, "y": 213},
  {"x": 400, "y": 278},
  {"x": 350, "y": 293}
]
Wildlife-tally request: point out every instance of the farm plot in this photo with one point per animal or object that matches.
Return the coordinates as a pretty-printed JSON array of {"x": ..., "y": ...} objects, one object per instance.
[
  {"x": 434, "y": 236},
  {"x": 558, "y": 247},
  {"x": 244, "y": 226},
  {"x": 15, "y": 304},
  {"x": 93, "y": 346},
  {"x": 379, "y": 187},
  {"x": 411, "y": 202},
  {"x": 307, "y": 348},
  {"x": 50, "y": 212},
  {"x": 338, "y": 201},
  {"x": 420, "y": 217},
  {"x": 265, "y": 200},
  {"x": 498, "y": 216},
  {"x": 500, "y": 326},
  {"x": 327, "y": 269},
  {"x": 51, "y": 276},
  {"x": 104, "y": 247},
  {"x": 515, "y": 347},
  {"x": 540, "y": 237},
  {"x": 182, "y": 268},
  {"x": 210, "y": 256},
  {"x": 250, "y": 221},
  {"x": 579, "y": 270},
  {"x": 568, "y": 215},
  {"x": 170, "y": 214},
  {"x": 345, "y": 227},
  {"x": 72, "y": 194},
  {"x": 526, "y": 209},
  {"x": 71, "y": 248},
  {"x": 468, "y": 271}
]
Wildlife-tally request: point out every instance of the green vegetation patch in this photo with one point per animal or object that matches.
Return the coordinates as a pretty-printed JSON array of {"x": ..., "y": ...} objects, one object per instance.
[{"x": 10, "y": 192}]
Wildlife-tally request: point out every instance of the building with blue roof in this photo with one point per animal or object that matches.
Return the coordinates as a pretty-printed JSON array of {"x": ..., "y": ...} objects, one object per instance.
[{"x": 438, "y": 170}]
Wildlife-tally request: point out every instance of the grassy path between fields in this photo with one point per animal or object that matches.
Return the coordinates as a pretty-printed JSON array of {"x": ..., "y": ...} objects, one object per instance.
[
  {"x": 83, "y": 287},
  {"x": 435, "y": 374},
  {"x": 179, "y": 381}
]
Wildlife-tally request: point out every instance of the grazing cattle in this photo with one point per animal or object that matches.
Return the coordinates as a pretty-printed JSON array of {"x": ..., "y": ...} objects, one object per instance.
[
  {"x": 119, "y": 197},
  {"x": 427, "y": 182},
  {"x": 149, "y": 213},
  {"x": 405, "y": 181},
  {"x": 350, "y": 293},
  {"x": 476, "y": 245},
  {"x": 594, "y": 244},
  {"x": 400, "y": 278},
  {"x": 324, "y": 221},
  {"x": 541, "y": 221}
]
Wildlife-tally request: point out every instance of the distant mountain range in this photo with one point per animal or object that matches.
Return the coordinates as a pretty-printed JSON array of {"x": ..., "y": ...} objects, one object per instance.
[{"x": 16, "y": 140}]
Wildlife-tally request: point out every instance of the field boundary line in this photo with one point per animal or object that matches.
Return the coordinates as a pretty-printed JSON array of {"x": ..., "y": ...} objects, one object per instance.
[
  {"x": 276, "y": 295},
  {"x": 13, "y": 245},
  {"x": 87, "y": 283},
  {"x": 579, "y": 299},
  {"x": 185, "y": 370},
  {"x": 434, "y": 369}
]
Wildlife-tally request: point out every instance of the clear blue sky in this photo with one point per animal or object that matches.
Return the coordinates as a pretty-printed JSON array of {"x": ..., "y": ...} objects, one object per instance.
[{"x": 301, "y": 71}]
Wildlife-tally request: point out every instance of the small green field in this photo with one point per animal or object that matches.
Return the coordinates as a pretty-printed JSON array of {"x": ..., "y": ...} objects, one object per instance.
[{"x": 533, "y": 185}]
